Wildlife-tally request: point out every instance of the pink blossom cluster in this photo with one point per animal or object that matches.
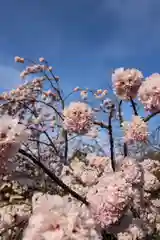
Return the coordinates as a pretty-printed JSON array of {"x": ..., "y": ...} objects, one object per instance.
[
  {"x": 36, "y": 68},
  {"x": 99, "y": 94},
  {"x": 110, "y": 194},
  {"x": 126, "y": 82},
  {"x": 12, "y": 135},
  {"x": 131, "y": 170},
  {"x": 149, "y": 93},
  {"x": 19, "y": 59},
  {"x": 82, "y": 175},
  {"x": 152, "y": 166},
  {"x": 109, "y": 199},
  {"x": 78, "y": 118},
  {"x": 133, "y": 232},
  {"x": 137, "y": 130},
  {"x": 26, "y": 91},
  {"x": 61, "y": 218},
  {"x": 97, "y": 161},
  {"x": 8, "y": 213}
]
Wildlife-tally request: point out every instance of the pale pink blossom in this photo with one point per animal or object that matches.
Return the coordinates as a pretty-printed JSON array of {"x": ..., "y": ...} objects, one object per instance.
[
  {"x": 133, "y": 232},
  {"x": 85, "y": 173},
  {"x": 97, "y": 161},
  {"x": 57, "y": 218},
  {"x": 131, "y": 170},
  {"x": 137, "y": 130},
  {"x": 109, "y": 199},
  {"x": 19, "y": 59},
  {"x": 152, "y": 166},
  {"x": 126, "y": 82},
  {"x": 36, "y": 68},
  {"x": 151, "y": 183},
  {"x": 41, "y": 59},
  {"x": 149, "y": 93},
  {"x": 76, "y": 89},
  {"x": 78, "y": 118},
  {"x": 12, "y": 135},
  {"x": 100, "y": 93},
  {"x": 23, "y": 74},
  {"x": 84, "y": 94}
]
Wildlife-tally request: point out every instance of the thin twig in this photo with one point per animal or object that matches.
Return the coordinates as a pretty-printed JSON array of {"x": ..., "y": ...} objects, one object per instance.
[
  {"x": 101, "y": 124},
  {"x": 150, "y": 116}
]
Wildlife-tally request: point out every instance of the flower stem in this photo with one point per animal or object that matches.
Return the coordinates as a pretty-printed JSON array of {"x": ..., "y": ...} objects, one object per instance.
[{"x": 134, "y": 107}]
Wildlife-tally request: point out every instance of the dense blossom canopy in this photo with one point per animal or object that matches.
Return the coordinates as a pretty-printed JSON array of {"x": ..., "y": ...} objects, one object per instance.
[{"x": 63, "y": 184}]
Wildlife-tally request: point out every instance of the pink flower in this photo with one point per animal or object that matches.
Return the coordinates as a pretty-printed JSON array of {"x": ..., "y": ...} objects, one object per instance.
[
  {"x": 78, "y": 118},
  {"x": 100, "y": 93},
  {"x": 41, "y": 59},
  {"x": 76, "y": 89},
  {"x": 97, "y": 161},
  {"x": 137, "y": 130},
  {"x": 149, "y": 93},
  {"x": 131, "y": 171},
  {"x": 57, "y": 218},
  {"x": 36, "y": 68},
  {"x": 126, "y": 82},
  {"x": 19, "y": 59},
  {"x": 12, "y": 135},
  {"x": 84, "y": 94},
  {"x": 109, "y": 199}
]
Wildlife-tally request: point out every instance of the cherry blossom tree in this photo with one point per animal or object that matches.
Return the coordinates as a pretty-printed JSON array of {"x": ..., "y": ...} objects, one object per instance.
[{"x": 91, "y": 197}]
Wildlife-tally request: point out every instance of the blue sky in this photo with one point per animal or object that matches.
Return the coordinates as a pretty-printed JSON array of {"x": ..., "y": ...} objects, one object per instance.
[{"x": 84, "y": 40}]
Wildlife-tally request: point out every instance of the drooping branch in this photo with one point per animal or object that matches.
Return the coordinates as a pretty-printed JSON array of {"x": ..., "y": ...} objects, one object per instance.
[{"x": 54, "y": 177}]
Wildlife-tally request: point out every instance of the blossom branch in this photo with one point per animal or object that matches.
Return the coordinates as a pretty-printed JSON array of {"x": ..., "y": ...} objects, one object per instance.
[
  {"x": 47, "y": 104},
  {"x": 54, "y": 177},
  {"x": 63, "y": 105},
  {"x": 101, "y": 124},
  {"x": 150, "y": 116}
]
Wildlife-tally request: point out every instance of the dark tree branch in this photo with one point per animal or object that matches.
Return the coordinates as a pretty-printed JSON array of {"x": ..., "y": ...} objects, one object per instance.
[
  {"x": 134, "y": 107},
  {"x": 101, "y": 124},
  {"x": 125, "y": 148},
  {"x": 111, "y": 140},
  {"x": 150, "y": 116},
  {"x": 54, "y": 177}
]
